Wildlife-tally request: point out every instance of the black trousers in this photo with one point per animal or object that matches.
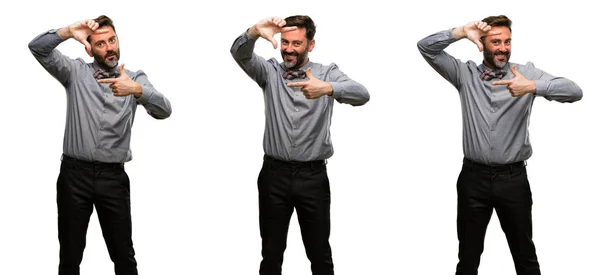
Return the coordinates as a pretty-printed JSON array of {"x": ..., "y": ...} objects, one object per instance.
[
  {"x": 283, "y": 186},
  {"x": 481, "y": 189},
  {"x": 80, "y": 186}
]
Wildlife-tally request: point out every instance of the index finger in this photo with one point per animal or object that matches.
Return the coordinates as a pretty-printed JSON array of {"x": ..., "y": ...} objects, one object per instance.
[
  {"x": 297, "y": 84},
  {"x": 101, "y": 30},
  {"x": 489, "y": 32},
  {"x": 288, "y": 29},
  {"x": 501, "y": 82},
  {"x": 107, "y": 80}
]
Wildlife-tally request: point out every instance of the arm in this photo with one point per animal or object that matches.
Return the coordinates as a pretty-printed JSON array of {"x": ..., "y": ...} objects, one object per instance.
[
  {"x": 346, "y": 90},
  {"x": 242, "y": 49},
  {"x": 556, "y": 88},
  {"x": 43, "y": 48},
  {"x": 542, "y": 84},
  {"x": 432, "y": 48},
  {"x": 155, "y": 103},
  {"x": 335, "y": 83},
  {"x": 253, "y": 65},
  {"x": 54, "y": 62}
]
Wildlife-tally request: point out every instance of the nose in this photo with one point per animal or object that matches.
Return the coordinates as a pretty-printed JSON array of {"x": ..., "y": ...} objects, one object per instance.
[{"x": 110, "y": 47}]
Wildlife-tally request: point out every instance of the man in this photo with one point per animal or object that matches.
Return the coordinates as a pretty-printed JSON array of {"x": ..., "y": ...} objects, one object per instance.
[
  {"x": 101, "y": 104},
  {"x": 299, "y": 97},
  {"x": 496, "y": 99}
]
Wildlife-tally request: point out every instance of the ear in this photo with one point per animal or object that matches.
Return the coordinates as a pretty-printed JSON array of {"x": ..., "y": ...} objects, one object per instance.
[{"x": 311, "y": 45}]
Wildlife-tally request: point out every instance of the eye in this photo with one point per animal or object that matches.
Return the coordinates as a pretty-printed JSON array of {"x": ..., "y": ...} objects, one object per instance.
[{"x": 297, "y": 44}]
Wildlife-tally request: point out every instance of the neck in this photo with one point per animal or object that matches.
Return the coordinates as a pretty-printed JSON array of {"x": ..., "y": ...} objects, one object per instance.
[{"x": 297, "y": 67}]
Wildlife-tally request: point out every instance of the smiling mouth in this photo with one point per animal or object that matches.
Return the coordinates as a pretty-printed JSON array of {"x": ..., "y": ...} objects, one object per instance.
[{"x": 501, "y": 56}]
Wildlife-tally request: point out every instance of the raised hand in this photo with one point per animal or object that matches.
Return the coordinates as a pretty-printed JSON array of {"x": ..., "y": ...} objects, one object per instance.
[
  {"x": 268, "y": 28},
  {"x": 313, "y": 87},
  {"x": 475, "y": 30},
  {"x": 123, "y": 85},
  {"x": 80, "y": 32},
  {"x": 519, "y": 85}
]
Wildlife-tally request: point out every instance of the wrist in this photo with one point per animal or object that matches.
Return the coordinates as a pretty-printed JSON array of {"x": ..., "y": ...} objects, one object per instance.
[
  {"x": 65, "y": 33},
  {"x": 329, "y": 89},
  {"x": 253, "y": 32},
  {"x": 459, "y": 32},
  {"x": 138, "y": 91},
  {"x": 533, "y": 87}
]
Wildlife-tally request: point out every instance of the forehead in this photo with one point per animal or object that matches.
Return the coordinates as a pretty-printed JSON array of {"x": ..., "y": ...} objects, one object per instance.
[
  {"x": 104, "y": 36},
  {"x": 297, "y": 34},
  {"x": 504, "y": 33}
]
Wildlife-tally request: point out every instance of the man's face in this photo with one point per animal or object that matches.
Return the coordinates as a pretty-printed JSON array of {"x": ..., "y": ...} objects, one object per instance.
[
  {"x": 496, "y": 48},
  {"x": 295, "y": 47},
  {"x": 105, "y": 48}
]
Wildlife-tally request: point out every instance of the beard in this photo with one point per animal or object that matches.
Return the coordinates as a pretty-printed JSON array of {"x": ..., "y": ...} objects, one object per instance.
[
  {"x": 104, "y": 61},
  {"x": 300, "y": 58},
  {"x": 489, "y": 57}
]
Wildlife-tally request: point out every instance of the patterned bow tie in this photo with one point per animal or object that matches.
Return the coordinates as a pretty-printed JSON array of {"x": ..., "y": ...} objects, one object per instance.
[
  {"x": 289, "y": 75},
  {"x": 489, "y": 74},
  {"x": 100, "y": 74}
]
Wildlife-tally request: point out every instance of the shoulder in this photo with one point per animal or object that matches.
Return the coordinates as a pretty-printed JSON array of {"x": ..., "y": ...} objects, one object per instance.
[
  {"x": 469, "y": 64},
  {"x": 526, "y": 66},
  {"x": 136, "y": 75},
  {"x": 273, "y": 62},
  {"x": 321, "y": 71},
  {"x": 81, "y": 62},
  {"x": 528, "y": 69},
  {"x": 318, "y": 67}
]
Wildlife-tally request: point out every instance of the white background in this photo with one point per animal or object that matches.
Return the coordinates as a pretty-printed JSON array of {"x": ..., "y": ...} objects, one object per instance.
[{"x": 393, "y": 174}]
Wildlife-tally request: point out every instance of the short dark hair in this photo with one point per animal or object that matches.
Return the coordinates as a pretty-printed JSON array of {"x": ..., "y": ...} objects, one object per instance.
[
  {"x": 302, "y": 21},
  {"x": 498, "y": 21},
  {"x": 103, "y": 21}
]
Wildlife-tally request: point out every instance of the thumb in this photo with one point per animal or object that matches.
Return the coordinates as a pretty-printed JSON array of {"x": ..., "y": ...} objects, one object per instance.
[
  {"x": 122, "y": 69},
  {"x": 479, "y": 45},
  {"x": 88, "y": 48},
  {"x": 513, "y": 69},
  {"x": 309, "y": 73},
  {"x": 273, "y": 41}
]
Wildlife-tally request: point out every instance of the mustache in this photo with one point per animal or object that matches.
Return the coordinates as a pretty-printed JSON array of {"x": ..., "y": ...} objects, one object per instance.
[
  {"x": 501, "y": 52},
  {"x": 109, "y": 53},
  {"x": 292, "y": 53}
]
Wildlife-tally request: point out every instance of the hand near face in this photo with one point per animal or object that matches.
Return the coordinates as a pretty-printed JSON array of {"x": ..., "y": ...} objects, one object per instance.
[
  {"x": 267, "y": 28},
  {"x": 519, "y": 85},
  {"x": 123, "y": 85},
  {"x": 80, "y": 31},
  {"x": 313, "y": 88},
  {"x": 475, "y": 30}
]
